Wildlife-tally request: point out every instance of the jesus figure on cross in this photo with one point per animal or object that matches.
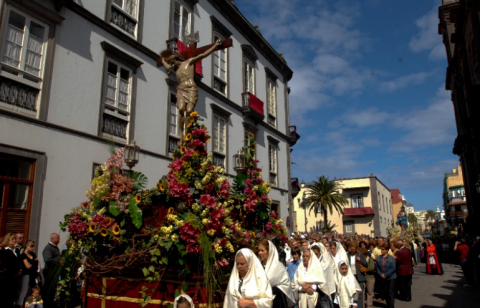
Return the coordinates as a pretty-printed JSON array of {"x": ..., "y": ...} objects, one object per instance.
[{"x": 187, "y": 92}]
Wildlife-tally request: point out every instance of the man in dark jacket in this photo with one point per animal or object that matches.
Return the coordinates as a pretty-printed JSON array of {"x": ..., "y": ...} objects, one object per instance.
[
  {"x": 354, "y": 259},
  {"x": 404, "y": 272},
  {"x": 51, "y": 256}
]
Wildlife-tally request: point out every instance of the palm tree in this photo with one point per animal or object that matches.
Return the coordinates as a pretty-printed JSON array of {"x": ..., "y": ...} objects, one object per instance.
[
  {"x": 412, "y": 219},
  {"x": 430, "y": 216},
  {"x": 325, "y": 195}
]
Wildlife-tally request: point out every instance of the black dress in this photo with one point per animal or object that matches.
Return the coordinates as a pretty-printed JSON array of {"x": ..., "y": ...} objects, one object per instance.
[
  {"x": 280, "y": 299},
  {"x": 324, "y": 301},
  {"x": 9, "y": 268}
]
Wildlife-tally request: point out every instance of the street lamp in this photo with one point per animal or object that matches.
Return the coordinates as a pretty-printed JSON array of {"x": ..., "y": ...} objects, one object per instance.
[
  {"x": 239, "y": 162},
  {"x": 132, "y": 155},
  {"x": 303, "y": 204}
]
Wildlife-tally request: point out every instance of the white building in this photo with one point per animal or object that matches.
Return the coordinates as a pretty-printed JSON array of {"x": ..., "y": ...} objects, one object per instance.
[{"x": 75, "y": 75}]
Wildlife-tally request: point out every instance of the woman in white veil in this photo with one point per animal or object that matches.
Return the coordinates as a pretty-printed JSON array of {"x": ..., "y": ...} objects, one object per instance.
[
  {"x": 347, "y": 286},
  {"x": 308, "y": 278},
  {"x": 277, "y": 275},
  {"x": 248, "y": 285},
  {"x": 183, "y": 301},
  {"x": 337, "y": 252},
  {"x": 328, "y": 266}
]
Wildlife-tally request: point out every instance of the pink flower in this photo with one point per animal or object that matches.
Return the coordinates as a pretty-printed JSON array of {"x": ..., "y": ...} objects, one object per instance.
[
  {"x": 269, "y": 226},
  {"x": 223, "y": 263},
  {"x": 225, "y": 189},
  {"x": 197, "y": 143},
  {"x": 278, "y": 226},
  {"x": 273, "y": 214},
  {"x": 176, "y": 165},
  {"x": 264, "y": 198},
  {"x": 84, "y": 203},
  {"x": 208, "y": 200},
  {"x": 198, "y": 131},
  {"x": 178, "y": 190}
]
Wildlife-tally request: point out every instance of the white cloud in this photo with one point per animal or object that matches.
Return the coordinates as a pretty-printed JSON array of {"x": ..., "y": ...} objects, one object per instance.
[
  {"x": 363, "y": 118},
  {"x": 434, "y": 125},
  {"x": 404, "y": 81},
  {"x": 427, "y": 37}
]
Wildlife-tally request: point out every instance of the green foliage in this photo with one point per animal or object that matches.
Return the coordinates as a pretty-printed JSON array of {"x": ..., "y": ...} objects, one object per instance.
[
  {"x": 412, "y": 219},
  {"x": 140, "y": 180},
  {"x": 326, "y": 194},
  {"x": 113, "y": 208},
  {"x": 135, "y": 212}
]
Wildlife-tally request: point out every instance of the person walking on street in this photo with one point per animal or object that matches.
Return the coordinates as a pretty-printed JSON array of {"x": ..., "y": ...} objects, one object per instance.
[
  {"x": 386, "y": 270},
  {"x": 370, "y": 278},
  {"x": 51, "y": 256},
  {"x": 357, "y": 260},
  {"x": 462, "y": 249},
  {"x": 10, "y": 269},
  {"x": 404, "y": 272}
]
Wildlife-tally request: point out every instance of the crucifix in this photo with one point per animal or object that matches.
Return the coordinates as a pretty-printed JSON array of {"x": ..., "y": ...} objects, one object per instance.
[{"x": 183, "y": 64}]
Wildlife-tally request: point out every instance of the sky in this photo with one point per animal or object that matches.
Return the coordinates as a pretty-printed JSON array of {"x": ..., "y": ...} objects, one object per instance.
[{"x": 368, "y": 90}]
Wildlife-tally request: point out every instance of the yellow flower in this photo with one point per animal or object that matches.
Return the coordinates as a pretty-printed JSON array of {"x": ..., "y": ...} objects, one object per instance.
[
  {"x": 104, "y": 232},
  {"x": 161, "y": 187},
  {"x": 138, "y": 198},
  {"x": 190, "y": 124},
  {"x": 170, "y": 210},
  {"x": 193, "y": 114},
  {"x": 205, "y": 221},
  {"x": 157, "y": 186},
  {"x": 195, "y": 207},
  {"x": 116, "y": 229},
  {"x": 218, "y": 248},
  {"x": 147, "y": 191},
  {"x": 174, "y": 237},
  {"x": 182, "y": 149},
  {"x": 188, "y": 137},
  {"x": 92, "y": 227},
  {"x": 208, "y": 140},
  {"x": 211, "y": 232}
]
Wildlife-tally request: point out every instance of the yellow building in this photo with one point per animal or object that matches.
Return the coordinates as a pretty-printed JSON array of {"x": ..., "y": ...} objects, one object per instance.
[
  {"x": 454, "y": 199},
  {"x": 397, "y": 202},
  {"x": 369, "y": 210}
]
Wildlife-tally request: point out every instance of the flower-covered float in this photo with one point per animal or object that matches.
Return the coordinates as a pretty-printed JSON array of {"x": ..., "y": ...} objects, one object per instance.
[{"x": 140, "y": 246}]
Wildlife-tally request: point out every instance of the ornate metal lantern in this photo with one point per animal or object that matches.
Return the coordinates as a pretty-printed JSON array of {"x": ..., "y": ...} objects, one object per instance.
[
  {"x": 132, "y": 155},
  {"x": 240, "y": 162}
]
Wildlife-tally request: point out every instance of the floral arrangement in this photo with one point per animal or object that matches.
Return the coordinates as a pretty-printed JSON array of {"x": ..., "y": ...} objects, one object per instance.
[{"x": 191, "y": 214}]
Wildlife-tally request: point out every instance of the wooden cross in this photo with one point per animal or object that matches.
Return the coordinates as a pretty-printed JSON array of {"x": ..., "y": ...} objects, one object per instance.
[{"x": 194, "y": 51}]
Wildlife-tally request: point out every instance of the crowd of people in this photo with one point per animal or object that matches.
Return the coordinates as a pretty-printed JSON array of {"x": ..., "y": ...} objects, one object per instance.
[
  {"x": 312, "y": 270},
  {"x": 21, "y": 274},
  {"x": 332, "y": 270}
]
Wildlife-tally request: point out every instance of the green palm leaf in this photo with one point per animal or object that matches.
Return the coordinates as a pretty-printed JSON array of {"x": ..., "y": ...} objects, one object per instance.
[{"x": 325, "y": 194}]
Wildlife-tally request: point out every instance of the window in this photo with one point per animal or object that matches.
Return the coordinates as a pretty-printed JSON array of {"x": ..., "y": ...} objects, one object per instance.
[
  {"x": 275, "y": 207},
  {"x": 272, "y": 162},
  {"x": 16, "y": 189},
  {"x": 173, "y": 125},
  {"x": 249, "y": 59},
  {"x": 348, "y": 225},
  {"x": 219, "y": 140},
  {"x": 271, "y": 102},
  {"x": 249, "y": 74},
  {"x": 357, "y": 200},
  {"x": 220, "y": 69},
  {"x": 124, "y": 15},
  {"x": 116, "y": 101},
  {"x": 22, "y": 62},
  {"x": 182, "y": 20},
  {"x": 319, "y": 208}
]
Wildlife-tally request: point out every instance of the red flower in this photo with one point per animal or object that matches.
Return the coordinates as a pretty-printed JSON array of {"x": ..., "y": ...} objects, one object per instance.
[{"x": 208, "y": 200}]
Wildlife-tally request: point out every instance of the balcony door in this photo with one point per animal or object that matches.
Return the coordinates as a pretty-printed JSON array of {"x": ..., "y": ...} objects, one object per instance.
[{"x": 16, "y": 189}]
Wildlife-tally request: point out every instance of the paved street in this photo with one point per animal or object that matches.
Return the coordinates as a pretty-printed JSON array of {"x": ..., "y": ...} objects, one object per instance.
[{"x": 440, "y": 291}]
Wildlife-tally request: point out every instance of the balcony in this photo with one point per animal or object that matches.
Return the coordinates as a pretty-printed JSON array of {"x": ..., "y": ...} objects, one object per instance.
[
  {"x": 293, "y": 135},
  {"x": 252, "y": 107},
  {"x": 295, "y": 187}
]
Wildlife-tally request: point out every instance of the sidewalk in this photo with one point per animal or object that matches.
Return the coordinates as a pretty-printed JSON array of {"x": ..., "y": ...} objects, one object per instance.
[{"x": 445, "y": 291}]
